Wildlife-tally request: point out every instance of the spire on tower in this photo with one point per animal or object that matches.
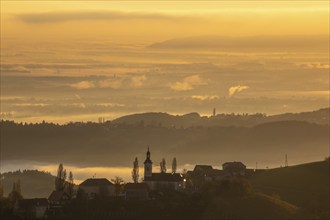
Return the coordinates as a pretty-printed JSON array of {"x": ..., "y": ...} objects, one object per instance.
[
  {"x": 147, "y": 165},
  {"x": 148, "y": 157}
]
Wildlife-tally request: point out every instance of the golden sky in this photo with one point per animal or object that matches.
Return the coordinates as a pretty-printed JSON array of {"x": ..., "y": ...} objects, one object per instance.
[
  {"x": 78, "y": 60},
  {"x": 161, "y": 19}
]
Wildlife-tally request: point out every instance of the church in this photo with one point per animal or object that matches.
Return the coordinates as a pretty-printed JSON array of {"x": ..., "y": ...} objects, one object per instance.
[{"x": 161, "y": 181}]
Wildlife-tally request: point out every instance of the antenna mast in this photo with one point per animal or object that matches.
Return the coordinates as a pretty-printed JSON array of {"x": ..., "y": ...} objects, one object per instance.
[{"x": 286, "y": 161}]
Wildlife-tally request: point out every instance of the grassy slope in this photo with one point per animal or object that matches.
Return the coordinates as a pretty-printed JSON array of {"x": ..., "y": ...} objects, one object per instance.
[
  {"x": 254, "y": 206},
  {"x": 306, "y": 185}
]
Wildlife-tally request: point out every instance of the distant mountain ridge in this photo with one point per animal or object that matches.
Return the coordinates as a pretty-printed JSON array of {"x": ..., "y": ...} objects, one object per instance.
[
  {"x": 251, "y": 43},
  {"x": 116, "y": 143},
  {"x": 320, "y": 116}
]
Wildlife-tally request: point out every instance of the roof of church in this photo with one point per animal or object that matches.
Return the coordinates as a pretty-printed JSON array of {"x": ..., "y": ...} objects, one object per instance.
[
  {"x": 96, "y": 182},
  {"x": 164, "y": 177}
]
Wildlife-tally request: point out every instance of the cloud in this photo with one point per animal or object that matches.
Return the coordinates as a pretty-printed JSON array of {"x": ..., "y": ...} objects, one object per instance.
[
  {"x": 107, "y": 104},
  {"x": 315, "y": 66},
  {"x": 111, "y": 83},
  {"x": 77, "y": 96},
  {"x": 31, "y": 104},
  {"x": 114, "y": 83},
  {"x": 79, "y": 105},
  {"x": 204, "y": 97},
  {"x": 9, "y": 68},
  {"x": 236, "y": 89},
  {"x": 137, "y": 81},
  {"x": 188, "y": 83},
  {"x": 244, "y": 43},
  {"x": 54, "y": 17},
  {"x": 83, "y": 85}
]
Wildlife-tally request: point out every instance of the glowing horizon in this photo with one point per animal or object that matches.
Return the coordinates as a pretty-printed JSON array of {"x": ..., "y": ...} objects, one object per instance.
[{"x": 64, "y": 61}]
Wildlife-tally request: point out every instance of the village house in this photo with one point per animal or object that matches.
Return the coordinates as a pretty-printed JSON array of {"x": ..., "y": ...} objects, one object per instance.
[
  {"x": 204, "y": 173},
  {"x": 31, "y": 208},
  {"x": 136, "y": 191},
  {"x": 58, "y": 199},
  {"x": 97, "y": 186},
  {"x": 214, "y": 175},
  {"x": 234, "y": 168},
  {"x": 161, "y": 181}
]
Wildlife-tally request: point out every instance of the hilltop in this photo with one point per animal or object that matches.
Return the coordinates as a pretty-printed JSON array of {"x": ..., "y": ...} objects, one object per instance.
[
  {"x": 252, "y": 43},
  {"x": 320, "y": 116},
  {"x": 116, "y": 144}
]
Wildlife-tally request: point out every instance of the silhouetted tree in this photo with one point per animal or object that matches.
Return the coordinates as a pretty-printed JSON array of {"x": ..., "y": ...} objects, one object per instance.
[
  {"x": 174, "y": 165},
  {"x": 117, "y": 181},
  {"x": 70, "y": 185},
  {"x": 16, "y": 193},
  {"x": 1, "y": 190},
  {"x": 135, "y": 171},
  {"x": 18, "y": 186},
  {"x": 163, "y": 166},
  {"x": 60, "y": 178}
]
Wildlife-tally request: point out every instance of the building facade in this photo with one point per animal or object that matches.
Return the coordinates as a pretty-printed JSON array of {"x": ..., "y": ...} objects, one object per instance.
[
  {"x": 234, "y": 168},
  {"x": 97, "y": 187},
  {"x": 161, "y": 181}
]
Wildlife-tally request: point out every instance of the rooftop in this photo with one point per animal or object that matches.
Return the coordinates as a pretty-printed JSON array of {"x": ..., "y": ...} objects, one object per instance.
[
  {"x": 58, "y": 195},
  {"x": 96, "y": 182},
  {"x": 203, "y": 167},
  {"x": 166, "y": 177},
  {"x": 234, "y": 164}
]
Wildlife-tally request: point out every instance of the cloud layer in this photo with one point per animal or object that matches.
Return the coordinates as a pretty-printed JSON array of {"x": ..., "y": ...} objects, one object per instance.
[
  {"x": 98, "y": 79},
  {"x": 53, "y": 17},
  {"x": 236, "y": 89},
  {"x": 188, "y": 83}
]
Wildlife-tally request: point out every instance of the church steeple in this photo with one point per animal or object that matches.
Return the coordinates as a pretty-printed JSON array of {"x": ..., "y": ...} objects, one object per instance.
[{"x": 148, "y": 165}]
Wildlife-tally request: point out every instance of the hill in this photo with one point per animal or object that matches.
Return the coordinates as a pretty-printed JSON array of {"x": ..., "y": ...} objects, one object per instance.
[
  {"x": 305, "y": 185},
  {"x": 253, "y": 206},
  {"x": 252, "y": 43},
  {"x": 320, "y": 116},
  {"x": 178, "y": 205},
  {"x": 113, "y": 144},
  {"x": 34, "y": 183}
]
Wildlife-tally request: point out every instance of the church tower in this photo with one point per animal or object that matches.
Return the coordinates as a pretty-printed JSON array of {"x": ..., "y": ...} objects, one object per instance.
[{"x": 147, "y": 165}]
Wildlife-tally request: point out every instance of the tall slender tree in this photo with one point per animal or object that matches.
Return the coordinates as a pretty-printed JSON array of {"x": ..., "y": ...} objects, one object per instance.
[
  {"x": 18, "y": 186},
  {"x": 135, "y": 171},
  {"x": 163, "y": 166},
  {"x": 1, "y": 190},
  {"x": 174, "y": 165},
  {"x": 60, "y": 178},
  {"x": 15, "y": 194},
  {"x": 1, "y": 187},
  {"x": 70, "y": 185}
]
